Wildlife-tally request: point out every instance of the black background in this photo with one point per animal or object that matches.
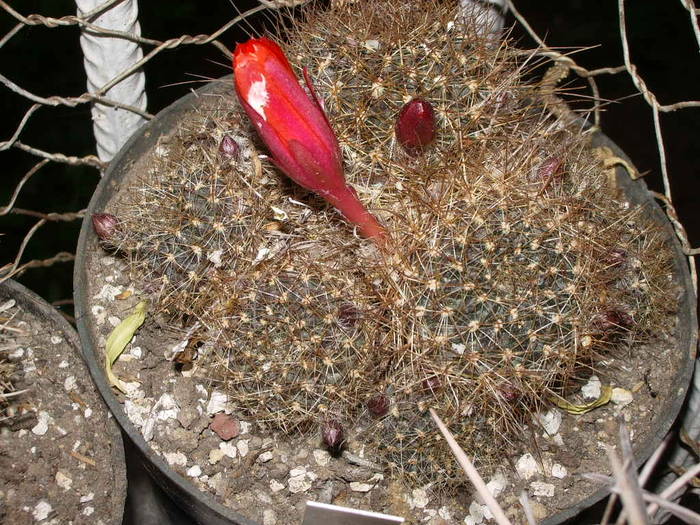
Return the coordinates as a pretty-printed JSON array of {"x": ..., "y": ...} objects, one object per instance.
[{"x": 49, "y": 62}]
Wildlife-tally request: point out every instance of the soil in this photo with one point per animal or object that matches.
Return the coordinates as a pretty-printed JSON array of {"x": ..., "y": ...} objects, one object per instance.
[
  {"x": 59, "y": 446},
  {"x": 268, "y": 476}
]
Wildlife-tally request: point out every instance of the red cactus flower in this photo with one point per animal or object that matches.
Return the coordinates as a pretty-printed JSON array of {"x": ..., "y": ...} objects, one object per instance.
[{"x": 295, "y": 128}]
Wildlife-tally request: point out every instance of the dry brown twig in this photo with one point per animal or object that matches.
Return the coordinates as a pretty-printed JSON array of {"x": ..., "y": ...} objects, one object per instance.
[{"x": 498, "y": 515}]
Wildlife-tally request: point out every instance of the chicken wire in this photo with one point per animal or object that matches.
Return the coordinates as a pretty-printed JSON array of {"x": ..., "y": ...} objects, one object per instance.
[{"x": 99, "y": 95}]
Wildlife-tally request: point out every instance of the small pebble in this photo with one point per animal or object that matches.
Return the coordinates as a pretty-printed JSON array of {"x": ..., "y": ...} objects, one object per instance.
[
  {"x": 108, "y": 292},
  {"x": 225, "y": 426},
  {"x": 99, "y": 314},
  {"x": 356, "y": 486},
  {"x": 476, "y": 513},
  {"x": 229, "y": 449},
  {"x": 298, "y": 471},
  {"x": 419, "y": 498},
  {"x": 175, "y": 458},
  {"x": 540, "y": 511},
  {"x": 497, "y": 484},
  {"x": 217, "y": 403},
  {"x": 265, "y": 457},
  {"x": 276, "y": 486},
  {"x": 243, "y": 447},
  {"x": 550, "y": 421},
  {"x": 195, "y": 471},
  {"x": 559, "y": 471},
  {"x": 539, "y": 488},
  {"x": 621, "y": 397},
  {"x": 42, "y": 510},
  {"x": 215, "y": 455},
  {"x": 527, "y": 466},
  {"x": 269, "y": 517},
  {"x": 322, "y": 457},
  {"x": 187, "y": 415},
  {"x": 591, "y": 390},
  {"x": 298, "y": 484},
  {"x": 42, "y": 425},
  {"x": 445, "y": 514},
  {"x": 63, "y": 481}
]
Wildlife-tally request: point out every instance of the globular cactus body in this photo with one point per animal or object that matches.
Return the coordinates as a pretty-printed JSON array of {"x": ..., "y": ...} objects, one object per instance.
[{"x": 512, "y": 266}]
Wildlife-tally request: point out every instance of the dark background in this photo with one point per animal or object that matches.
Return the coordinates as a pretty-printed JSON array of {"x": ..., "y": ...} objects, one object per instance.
[{"x": 49, "y": 62}]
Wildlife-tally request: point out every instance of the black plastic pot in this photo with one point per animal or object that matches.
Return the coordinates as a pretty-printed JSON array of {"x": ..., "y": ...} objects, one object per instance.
[
  {"x": 54, "y": 323},
  {"x": 202, "y": 507}
]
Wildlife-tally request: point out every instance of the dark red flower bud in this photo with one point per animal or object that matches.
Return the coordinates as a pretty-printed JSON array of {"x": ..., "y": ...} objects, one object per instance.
[
  {"x": 332, "y": 433},
  {"x": 348, "y": 315},
  {"x": 105, "y": 225},
  {"x": 432, "y": 383},
  {"x": 415, "y": 126},
  {"x": 613, "y": 320},
  {"x": 378, "y": 405},
  {"x": 550, "y": 168},
  {"x": 616, "y": 257},
  {"x": 509, "y": 392},
  {"x": 229, "y": 148}
]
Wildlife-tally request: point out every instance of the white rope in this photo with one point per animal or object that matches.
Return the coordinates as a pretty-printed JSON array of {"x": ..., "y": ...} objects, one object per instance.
[{"x": 105, "y": 58}]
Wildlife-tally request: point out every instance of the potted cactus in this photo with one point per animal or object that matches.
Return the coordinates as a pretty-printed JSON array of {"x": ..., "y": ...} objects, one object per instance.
[{"x": 452, "y": 237}]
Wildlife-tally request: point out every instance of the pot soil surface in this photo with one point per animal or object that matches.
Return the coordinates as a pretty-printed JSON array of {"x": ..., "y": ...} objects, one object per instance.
[{"x": 61, "y": 453}]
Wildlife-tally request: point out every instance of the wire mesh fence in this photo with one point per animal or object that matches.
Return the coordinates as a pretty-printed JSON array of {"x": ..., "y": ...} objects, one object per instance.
[
  {"x": 563, "y": 60},
  {"x": 28, "y": 156}
]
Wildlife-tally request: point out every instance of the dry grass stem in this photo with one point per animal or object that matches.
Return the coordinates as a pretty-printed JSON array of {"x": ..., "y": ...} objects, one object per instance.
[{"x": 471, "y": 472}]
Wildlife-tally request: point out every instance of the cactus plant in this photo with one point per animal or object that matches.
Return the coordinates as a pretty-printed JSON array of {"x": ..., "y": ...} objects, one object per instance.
[{"x": 514, "y": 266}]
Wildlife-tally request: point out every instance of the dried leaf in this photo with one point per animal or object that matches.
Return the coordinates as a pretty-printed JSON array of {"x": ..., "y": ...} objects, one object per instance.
[
  {"x": 124, "y": 295},
  {"x": 604, "y": 399},
  {"x": 120, "y": 337}
]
